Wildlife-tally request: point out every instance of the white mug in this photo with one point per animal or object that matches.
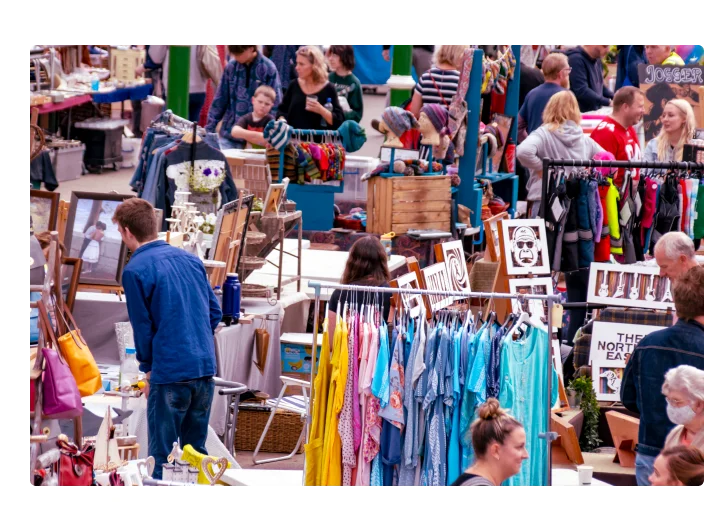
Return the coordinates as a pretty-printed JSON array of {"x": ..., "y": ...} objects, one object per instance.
[{"x": 585, "y": 475}]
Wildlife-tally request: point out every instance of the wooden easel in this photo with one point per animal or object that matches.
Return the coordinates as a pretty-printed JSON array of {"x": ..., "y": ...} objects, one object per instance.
[
  {"x": 62, "y": 219},
  {"x": 566, "y": 447},
  {"x": 624, "y": 430},
  {"x": 502, "y": 307}
]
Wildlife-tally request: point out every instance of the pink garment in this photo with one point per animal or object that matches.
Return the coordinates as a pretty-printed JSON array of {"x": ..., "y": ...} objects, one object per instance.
[
  {"x": 370, "y": 406},
  {"x": 599, "y": 216},
  {"x": 345, "y": 427},
  {"x": 356, "y": 417}
]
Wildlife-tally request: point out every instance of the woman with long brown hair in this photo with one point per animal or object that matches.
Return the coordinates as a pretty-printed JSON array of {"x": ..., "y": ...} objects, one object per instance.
[
  {"x": 367, "y": 265},
  {"x": 678, "y": 466}
]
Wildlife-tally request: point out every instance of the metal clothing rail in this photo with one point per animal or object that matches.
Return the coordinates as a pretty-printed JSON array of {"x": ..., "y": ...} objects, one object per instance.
[
  {"x": 547, "y": 163},
  {"x": 325, "y": 134},
  {"x": 547, "y": 436}
]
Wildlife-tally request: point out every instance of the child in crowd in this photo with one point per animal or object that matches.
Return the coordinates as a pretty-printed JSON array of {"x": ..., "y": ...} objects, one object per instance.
[
  {"x": 250, "y": 127},
  {"x": 349, "y": 89}
]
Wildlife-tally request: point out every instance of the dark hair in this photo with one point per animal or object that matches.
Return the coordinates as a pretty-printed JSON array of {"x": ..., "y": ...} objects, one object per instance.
[
  {"x": 139, "y": 217},
  {"x": 44, "y": 239},
  {"x": 236, "y": 50},
  {"x": 625, "y": 95},
  {"x": 686, "y": 464},
  {"x": 346, "y": 54},
  {"x": 493, "y": 425},
  {"x": 367, "y": 263},
  {"x": 688, "y": 293},
  {"x": 101, "y": 225}
]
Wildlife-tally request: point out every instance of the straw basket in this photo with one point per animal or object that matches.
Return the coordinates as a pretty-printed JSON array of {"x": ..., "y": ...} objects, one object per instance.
[{"x": 282, "y": 436}]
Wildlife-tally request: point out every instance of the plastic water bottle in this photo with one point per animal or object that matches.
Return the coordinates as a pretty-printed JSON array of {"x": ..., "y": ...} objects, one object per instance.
[
  {"x": 129, "y": 368},
  {"x": 231, "y": 299},
  {"x": 94, "y": 82},
  {"x": 328, "y": 106}
]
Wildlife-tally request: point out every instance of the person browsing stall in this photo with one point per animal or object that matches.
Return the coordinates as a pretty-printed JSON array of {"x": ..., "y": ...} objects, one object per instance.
[
  {"x": 663, "y": 56},
  {"x": 174, "y": 313},
  {"x": 499, "y": 443},
  {"x": 349, "y": 89},
  {"x": 678, "y": 466},
  {"x": 304, "y": 103},
  {"x": 587, "y": 77},
  {"x": 251, "y": 126},
  {"x": 675, "y": 255},
  {"x": 440, "y": 83},
  {"x": 684, "y": 393},
  {"x": 678, "y": 127},
  {"x": 557, "y": 78},
  {"x": 655, "y": 355}
]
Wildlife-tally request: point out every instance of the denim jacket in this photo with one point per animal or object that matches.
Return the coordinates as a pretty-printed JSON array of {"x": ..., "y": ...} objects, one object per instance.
[
  {"x": 641, "y": 388},
  {"x": 236, "y": 89}
]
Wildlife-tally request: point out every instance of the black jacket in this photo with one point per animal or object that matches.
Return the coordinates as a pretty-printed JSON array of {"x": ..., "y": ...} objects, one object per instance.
[{"x": 587, "y": 80}]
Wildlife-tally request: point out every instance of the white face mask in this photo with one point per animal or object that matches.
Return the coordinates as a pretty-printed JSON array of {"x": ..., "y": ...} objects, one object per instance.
[{"x": 680, "y": 415}]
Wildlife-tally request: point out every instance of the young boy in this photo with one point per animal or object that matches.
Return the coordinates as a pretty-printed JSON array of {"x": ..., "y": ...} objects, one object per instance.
[
  {"x": 349, "y": 89},
  {"x": 250, "y": 127}
]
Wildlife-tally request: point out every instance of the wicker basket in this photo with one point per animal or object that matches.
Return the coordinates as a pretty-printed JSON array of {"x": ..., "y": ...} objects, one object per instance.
[
  {"x": 255, "y": 290},
  {"x": 282, "y": 436},
  {"x": 254, "y": 238},
  {"x": 252, "y": 263}
]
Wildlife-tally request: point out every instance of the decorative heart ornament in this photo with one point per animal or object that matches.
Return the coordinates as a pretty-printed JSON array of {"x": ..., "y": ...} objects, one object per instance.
[{"x": 206, "y": 465}]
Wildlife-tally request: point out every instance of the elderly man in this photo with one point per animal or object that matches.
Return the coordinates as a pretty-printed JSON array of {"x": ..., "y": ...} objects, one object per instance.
[
  {"x": 655, "y": 355},
  {"x": 675, "y": 255}
]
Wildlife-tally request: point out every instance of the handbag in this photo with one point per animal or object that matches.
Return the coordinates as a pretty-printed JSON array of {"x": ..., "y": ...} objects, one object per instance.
[
  {"x": 457, "y": 122},
  {"x": 79, "y": 358},
  {"x": 209, "y": 63},
  {"x": 60, "y": 397},
  {"x": 261, "y": 347},
  {"x": 75, "y": 466}
]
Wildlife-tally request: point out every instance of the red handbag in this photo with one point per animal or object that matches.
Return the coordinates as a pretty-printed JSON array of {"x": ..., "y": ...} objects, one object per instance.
[{"x": 75, "y": 466}]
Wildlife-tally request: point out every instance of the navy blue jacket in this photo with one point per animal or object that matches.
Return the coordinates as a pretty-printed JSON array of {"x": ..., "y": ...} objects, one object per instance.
[
  {"x": 587, "y": 80},
  {"x": 629, "y": 57},
  {"x": 641, "y": 388},
  {"x": 173, "y": 312}
]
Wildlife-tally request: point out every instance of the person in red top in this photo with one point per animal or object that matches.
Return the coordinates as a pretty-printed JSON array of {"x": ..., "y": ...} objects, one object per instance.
[{"x": 616, "y": 134}]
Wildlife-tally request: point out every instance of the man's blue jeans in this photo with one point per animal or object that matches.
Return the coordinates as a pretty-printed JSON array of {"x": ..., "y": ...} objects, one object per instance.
[
  {"x": 644, "y": 468},
  {"x": 178, "y": 411}
]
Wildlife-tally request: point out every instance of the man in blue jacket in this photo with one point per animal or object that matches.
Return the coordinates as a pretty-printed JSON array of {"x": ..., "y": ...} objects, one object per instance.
[
  {"x": 641, "y": 388},
  {"x": 587, "y": 77},
  {"x": 249, "y": 70},
  {"x": 173, "y": 312},
  {"x": 629, "y": 57}
]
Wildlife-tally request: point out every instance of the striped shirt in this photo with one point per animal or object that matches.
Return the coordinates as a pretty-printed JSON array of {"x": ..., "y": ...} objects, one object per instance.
[{"x": 440, "y": 91}]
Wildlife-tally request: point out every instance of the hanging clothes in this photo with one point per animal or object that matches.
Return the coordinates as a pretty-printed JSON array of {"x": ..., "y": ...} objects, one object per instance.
[{"x": 314, "y": 447}]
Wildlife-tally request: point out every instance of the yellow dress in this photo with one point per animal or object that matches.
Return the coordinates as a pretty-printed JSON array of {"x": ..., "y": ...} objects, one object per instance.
[
  {"x": 321, "y": 385},
  {"x": 332, "y": 446}
]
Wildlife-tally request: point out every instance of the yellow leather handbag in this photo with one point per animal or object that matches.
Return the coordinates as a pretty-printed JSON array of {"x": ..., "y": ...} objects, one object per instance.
[{"x": 79, "y": 357}]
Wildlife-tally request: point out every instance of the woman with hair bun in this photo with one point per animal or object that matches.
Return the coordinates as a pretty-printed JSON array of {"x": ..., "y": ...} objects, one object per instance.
[
  {"x": 499, "y": 442},
  {"x": 678, "y": 466}
]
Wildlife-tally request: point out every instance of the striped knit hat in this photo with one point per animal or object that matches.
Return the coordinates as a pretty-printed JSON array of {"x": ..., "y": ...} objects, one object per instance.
[
  {"x": 438, "y": 116},
  {"x": 398, "y": 120},
  {"x": 277, "y": 133}
]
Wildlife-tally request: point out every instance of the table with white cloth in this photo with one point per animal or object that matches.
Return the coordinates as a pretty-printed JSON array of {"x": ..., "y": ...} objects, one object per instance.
[{"x": 96, "y": 315}]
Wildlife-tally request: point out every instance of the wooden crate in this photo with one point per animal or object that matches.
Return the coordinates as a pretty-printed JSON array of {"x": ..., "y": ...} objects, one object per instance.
[
  {"x": 408, "y": 202},
  {"x": 251, "y": 174}
]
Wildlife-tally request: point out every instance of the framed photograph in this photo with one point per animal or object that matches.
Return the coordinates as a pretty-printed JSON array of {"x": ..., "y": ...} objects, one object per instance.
[
  {"x": 70, "y": 275},
  {"x": 628, "y": 285},
  {"x": 91, "y": 236},
  {"x": 535, "y": 307},
  {"x": 411, "y": 302},
  {"x": 452, "y": 255},
  {"x": 274, "y": 196},
  {"x": 525, "y": 247},
  {"x": 435, "y": 278},
  {"x": 491, "y": 230},
  {"x": 43, "y": 210},
  {"x": 228, "y": 236},
  {"x": 503, "y": 123},
  {"x": 606, "y": 380}
]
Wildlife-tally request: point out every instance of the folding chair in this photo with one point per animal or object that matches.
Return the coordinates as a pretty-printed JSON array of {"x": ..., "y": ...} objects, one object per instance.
[
  {"x": 297, "y": 404},
  {"x": 233, "y": 390}
]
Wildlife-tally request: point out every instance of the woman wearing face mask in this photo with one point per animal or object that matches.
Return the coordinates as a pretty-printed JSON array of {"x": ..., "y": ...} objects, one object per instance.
[
  {"x": 678, "y": 125},
  {"x": 499, "y": 442},
  {"x": 684, "y": 393},
  {"x": 678, "y": 466}
]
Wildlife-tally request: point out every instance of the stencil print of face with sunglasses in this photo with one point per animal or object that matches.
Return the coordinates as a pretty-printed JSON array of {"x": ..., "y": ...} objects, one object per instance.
[{"x": 525, "y": 247}]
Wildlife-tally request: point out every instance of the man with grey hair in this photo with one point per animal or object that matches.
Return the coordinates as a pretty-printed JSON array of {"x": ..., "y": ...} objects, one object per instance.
[
  {"x": 675, "y": 255},
  {"x": 655, "y": 355}
]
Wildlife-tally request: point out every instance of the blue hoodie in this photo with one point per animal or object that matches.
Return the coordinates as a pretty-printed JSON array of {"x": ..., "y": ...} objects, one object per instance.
[
  {"x": 587, "y": 80},
  {"x": 629, "y": 57}
]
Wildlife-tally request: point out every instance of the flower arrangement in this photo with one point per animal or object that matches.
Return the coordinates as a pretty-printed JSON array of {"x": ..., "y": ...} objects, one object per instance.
[
  {"x": 206, "y": 223},
  {"x": 207, "y": 178}
]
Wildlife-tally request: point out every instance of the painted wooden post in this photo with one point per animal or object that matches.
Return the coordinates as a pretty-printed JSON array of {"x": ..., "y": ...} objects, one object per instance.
[{"x": 179, "y": 80}]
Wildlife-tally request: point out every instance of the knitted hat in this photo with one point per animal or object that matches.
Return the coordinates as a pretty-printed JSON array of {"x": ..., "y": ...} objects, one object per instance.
[
  {"x": 604, "y": 156},
  {"x": 398, "y": 120},
  {"x": 277, "y": 133},
  {"x": 353, "y": 135},
  {"x": 438, "y": 116}
]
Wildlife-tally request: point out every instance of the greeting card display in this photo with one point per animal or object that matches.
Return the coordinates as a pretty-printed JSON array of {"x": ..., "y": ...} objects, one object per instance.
[
  {"x": 525, "y": 247},
  {"x": 633, "y": 286}
]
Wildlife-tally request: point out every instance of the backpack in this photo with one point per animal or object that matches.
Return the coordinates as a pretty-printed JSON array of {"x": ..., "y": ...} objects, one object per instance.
[
  {"x": 209, "y": 63},
  {"x": 457, "y": 122}
]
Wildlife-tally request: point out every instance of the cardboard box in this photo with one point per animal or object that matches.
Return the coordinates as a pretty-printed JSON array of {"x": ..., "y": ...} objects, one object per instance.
[{"x": 296, "y": 353}]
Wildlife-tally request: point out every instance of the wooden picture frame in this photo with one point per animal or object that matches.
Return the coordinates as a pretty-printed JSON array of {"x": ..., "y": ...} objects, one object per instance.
[
  {"x": 525, "y": 247},
  {"x": 629, "y": 286},
  {"x": 504, "y": 123},
  {"x": 436, "y": 278},
  {"x": 535, "y": 286},
  {"x": 274, "y": 196},
  {"x": 451, "y": 254},
  {"x": 411, "y": 303},
  {"x": 43, "y": 210},
  {"x": 491, "y": 231},
  {"x": 228, "y": 236},
  {"x": 70, "y": 275},
  {"x": 91, "y": 210}
]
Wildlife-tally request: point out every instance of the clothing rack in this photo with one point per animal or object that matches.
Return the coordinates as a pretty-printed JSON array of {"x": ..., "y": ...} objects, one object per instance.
[
  {"x": 616, "y": 164},
  {"x": 326, "y": 134},
  {"x": 547, "y": 436}
]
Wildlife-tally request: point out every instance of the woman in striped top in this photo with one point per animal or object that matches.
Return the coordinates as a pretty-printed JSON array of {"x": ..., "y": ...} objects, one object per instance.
[{"x": 439, "y": 84}]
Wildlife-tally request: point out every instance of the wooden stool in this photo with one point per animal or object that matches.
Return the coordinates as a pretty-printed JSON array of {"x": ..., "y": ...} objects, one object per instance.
[
  {"x": 128, "y": 452},
  {"x": 325, "y": 247}
]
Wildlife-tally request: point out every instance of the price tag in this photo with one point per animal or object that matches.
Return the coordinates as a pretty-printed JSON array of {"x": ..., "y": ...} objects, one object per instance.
[{"x": 557, "y": 311}]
